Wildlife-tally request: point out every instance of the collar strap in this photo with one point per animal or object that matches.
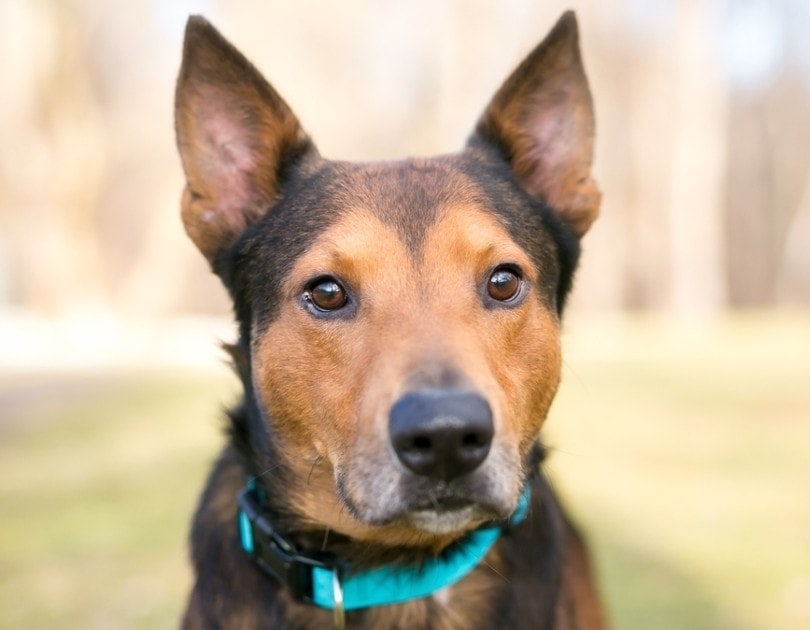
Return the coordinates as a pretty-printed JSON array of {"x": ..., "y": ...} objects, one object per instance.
[{"x": 320, "y": 580}]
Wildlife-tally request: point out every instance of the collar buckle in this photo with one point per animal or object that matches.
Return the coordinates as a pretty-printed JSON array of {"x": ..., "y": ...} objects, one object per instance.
[
  {"x": 271, "y": 551},
  {"x": 339, "y": 611}
]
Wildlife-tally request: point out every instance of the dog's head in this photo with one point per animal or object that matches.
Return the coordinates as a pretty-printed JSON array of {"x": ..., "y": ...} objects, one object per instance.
[{"x": 400, "y": 320}]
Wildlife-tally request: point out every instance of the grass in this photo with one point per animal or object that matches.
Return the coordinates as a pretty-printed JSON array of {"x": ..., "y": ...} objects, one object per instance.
[
  {"x": 685, "y": 452},
  {"x": 682, "y": 452},
  {"x": 96, "y": 500}
]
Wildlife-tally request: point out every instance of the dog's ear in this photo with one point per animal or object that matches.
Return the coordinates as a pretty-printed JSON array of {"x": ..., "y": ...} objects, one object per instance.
[
  {"x": 542, "y": 121},
  {"x": 235, "y": 134}
]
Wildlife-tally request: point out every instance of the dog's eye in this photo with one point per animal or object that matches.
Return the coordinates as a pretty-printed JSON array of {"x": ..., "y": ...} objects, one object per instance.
[
  {"x": 504, "y": 284},
  {"x": 326, "y": 294}
]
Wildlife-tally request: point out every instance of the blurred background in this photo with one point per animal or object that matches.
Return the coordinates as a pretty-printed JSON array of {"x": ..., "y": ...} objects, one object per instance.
[{"x": 681, "y": 431}]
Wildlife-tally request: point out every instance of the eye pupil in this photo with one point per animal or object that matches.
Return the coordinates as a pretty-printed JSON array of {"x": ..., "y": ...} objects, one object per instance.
[
  {"x": 503, "y": 285},
  {"x": 327, "y": 295}
]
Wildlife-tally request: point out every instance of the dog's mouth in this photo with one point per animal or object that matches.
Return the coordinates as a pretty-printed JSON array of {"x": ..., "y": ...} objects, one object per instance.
[
  {"x": 444, "y": 521},
  {"x": 448, "y": 503},
  {"x": 448, "y": 514},
  {"x": 429, "y": 510}
]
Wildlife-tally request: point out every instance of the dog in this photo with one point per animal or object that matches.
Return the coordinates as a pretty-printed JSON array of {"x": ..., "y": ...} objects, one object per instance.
[{"x": 399, "y": 348}]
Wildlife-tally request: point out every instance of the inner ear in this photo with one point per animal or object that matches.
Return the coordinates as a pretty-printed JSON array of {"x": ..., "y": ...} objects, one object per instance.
[
  {"x": 235, "y": 135},
  {"x": 542, "y": 122}
]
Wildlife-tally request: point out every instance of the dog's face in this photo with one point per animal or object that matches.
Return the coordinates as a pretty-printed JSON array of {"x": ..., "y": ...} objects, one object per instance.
[{"x": 401, "y": 318}]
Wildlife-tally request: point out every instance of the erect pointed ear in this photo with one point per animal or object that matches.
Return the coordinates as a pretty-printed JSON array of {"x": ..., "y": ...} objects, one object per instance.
[
  {"x": 234, "y": 134},
  {"x": 542, "y": 121}
]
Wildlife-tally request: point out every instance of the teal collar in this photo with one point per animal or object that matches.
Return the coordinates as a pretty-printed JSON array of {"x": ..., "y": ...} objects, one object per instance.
[{"x": 319, "y": 580}]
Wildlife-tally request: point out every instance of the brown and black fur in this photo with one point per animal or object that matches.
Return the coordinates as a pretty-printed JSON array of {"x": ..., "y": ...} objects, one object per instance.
[{"x": 414, "y": 247}]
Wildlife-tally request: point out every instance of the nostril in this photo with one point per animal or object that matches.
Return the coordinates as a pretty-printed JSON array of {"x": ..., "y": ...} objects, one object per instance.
[
  {"x": 421, "y": 443},
  {"x": 472, "y": 439}
]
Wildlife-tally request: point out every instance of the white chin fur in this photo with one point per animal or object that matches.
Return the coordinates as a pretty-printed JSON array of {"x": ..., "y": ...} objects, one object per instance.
[{"x": 433, "y": 522}]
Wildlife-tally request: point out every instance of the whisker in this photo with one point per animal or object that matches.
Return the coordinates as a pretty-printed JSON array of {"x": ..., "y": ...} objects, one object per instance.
[
  {"x": 317, "y": 461},
  {"x": 494, "y": 570},
  {"x": 269, "y": 470}
]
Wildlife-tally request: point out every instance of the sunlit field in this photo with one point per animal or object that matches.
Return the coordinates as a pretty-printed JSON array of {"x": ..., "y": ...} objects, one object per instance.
[{"x": 683, "y": 452}]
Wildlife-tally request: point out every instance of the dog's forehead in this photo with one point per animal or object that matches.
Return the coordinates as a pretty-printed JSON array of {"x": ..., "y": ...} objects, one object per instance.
[
  {"x": 414, "y": 197},
  {"x": 404, "y": 218},
  {"x": 407, "y": 195}
]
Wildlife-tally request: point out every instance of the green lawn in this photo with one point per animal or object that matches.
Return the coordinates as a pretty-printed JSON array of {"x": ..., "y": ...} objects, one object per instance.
[{"x": 683, "y": 452}]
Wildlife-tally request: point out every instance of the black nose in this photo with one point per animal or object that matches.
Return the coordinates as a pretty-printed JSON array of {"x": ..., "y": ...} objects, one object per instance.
[{"x": 441, "y": 433}]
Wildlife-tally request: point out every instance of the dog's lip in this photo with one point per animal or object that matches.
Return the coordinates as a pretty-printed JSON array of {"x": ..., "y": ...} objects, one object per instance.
[
  {"x": 443, "y": 504},
  {"x": 452, "y": 504},
  {"x": 449, "y": 515},
  {"x": 442, "y": 498}
]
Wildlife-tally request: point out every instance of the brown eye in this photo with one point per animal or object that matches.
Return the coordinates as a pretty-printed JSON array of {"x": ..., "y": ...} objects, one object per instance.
[
  {"x": 504, "y": 284},
  {"x": 326, "y": 294}
]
